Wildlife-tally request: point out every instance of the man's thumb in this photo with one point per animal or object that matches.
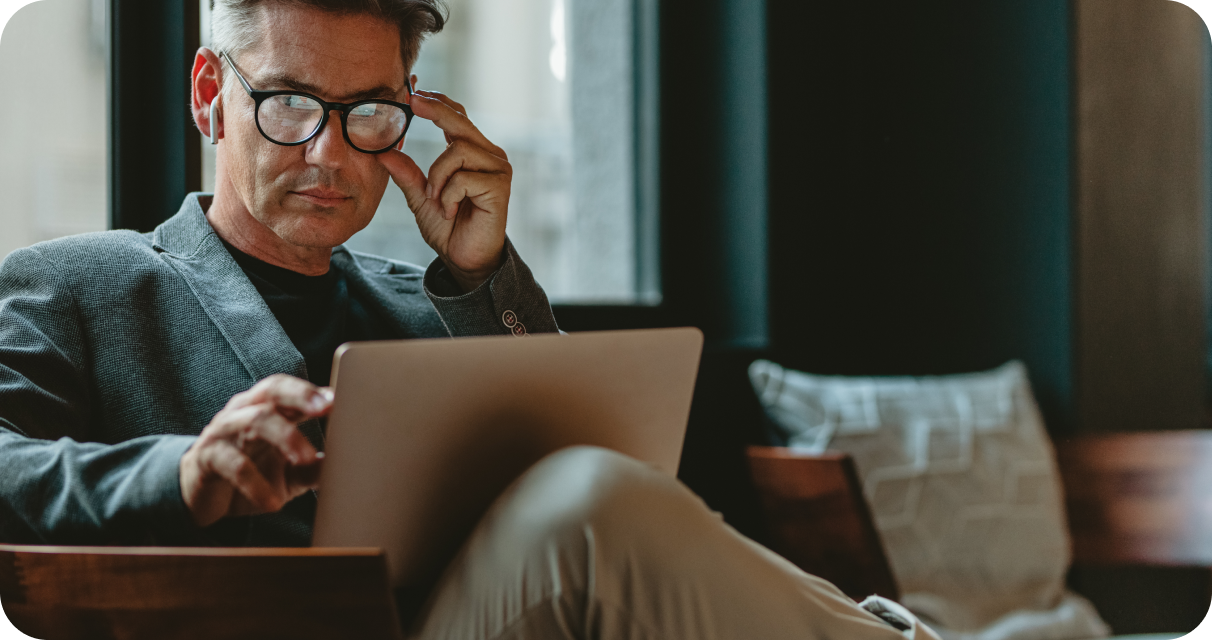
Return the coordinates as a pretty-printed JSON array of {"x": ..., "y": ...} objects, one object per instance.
[{"x": 407, "y": 176}]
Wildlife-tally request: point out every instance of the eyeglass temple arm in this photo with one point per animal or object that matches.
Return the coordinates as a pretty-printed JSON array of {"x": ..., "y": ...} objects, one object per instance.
[{"x": 244, "y": 83}]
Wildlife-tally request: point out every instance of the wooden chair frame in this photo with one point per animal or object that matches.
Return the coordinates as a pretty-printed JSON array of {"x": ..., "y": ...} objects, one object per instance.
[
  {"x": 77, "y": 593},
  {"x": 1132, "y": 499}
]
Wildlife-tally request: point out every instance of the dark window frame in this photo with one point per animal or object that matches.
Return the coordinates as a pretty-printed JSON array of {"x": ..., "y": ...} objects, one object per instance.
[{"x": 155, "y": 154}]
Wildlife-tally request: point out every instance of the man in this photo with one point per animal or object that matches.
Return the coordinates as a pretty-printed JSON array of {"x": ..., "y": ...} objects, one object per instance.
[{"x": 168, "y": 388}]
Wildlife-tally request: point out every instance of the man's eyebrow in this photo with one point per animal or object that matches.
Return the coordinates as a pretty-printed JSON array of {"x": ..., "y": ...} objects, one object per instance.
[{"x": 294, "y": 84}]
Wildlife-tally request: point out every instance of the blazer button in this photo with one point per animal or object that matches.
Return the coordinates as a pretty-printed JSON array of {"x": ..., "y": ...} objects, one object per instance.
[
  {"x": 509, "y": 318},
  {"x": 519, "y": 329}
]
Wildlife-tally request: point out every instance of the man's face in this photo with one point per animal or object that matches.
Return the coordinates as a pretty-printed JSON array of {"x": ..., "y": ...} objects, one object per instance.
[{"x": 320, "y": 193}]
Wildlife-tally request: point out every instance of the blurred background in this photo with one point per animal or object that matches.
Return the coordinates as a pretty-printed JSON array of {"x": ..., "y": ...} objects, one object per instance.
[
  {"x": 53, "y": 150},
  {"x": 868, "y": 188}
]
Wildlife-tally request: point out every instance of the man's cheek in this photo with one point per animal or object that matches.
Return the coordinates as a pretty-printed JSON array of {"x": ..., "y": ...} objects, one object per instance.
[
  {"x": 273, "y": 173},
  {"x": 371, "y": 193},
  {"x": 378, "y": 181}
]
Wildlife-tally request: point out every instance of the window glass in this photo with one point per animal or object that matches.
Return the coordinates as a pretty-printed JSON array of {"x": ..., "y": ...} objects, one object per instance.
[
  {"x": 553, "y": 83},
  {"x": 53, "y": 150}
]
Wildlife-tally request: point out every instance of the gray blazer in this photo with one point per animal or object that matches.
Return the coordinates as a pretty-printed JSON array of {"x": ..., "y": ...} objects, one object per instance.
[{"x": 117, "y": 348}]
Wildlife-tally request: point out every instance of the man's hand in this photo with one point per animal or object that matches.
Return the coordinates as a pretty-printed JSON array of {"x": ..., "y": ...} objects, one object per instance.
[
  {"x": 252, "y": 458},
  {"x": 462, "y": 206}
]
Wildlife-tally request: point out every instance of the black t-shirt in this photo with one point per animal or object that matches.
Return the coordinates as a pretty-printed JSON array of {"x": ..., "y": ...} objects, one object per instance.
[{"x": 318, "y": 313}]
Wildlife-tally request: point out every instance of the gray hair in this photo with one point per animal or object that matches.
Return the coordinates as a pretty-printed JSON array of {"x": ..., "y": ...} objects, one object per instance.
[{"x": 234, "y": 22}]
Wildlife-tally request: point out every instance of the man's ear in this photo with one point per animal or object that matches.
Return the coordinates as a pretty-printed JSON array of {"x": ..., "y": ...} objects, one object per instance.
[{"x": 207, "y": 78}]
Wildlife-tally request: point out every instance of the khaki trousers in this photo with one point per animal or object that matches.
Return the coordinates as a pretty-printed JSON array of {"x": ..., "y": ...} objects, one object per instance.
[{"x": 590, "y": 544}]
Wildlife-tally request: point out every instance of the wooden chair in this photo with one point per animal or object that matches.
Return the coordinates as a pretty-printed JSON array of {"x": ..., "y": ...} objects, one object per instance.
[
  {"x": 1140, "y": 517},
  {"x": 1132, "y": 499},
  {"x": 1139, "y": 498},
  {"x": 70, "y": 593},
  {"x": 819, "y": 520}
]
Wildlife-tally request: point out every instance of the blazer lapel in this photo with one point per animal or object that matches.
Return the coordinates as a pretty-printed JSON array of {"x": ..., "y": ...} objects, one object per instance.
[
  {"x": 191, "y": 247},
  {"x": 398, "y": 298}
]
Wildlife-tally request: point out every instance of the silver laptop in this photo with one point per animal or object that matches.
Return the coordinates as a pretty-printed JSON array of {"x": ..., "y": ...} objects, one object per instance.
[{"x": 425, "y": 434}]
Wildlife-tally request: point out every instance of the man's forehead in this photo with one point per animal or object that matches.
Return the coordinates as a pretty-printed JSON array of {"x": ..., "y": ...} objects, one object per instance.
[{"x": 340, "y": 54}]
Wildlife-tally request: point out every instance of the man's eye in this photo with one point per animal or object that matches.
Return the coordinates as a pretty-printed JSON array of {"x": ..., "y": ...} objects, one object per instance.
[{"x": 364, "y": 111}]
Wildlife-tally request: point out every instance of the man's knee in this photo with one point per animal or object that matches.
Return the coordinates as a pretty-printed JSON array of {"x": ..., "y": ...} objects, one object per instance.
[
  {"x": 581, "y": 484},
  {"x": 581, "y": 488}
]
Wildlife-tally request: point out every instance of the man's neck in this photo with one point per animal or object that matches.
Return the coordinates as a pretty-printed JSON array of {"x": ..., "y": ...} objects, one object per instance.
[{"x": 235, "y": 224}]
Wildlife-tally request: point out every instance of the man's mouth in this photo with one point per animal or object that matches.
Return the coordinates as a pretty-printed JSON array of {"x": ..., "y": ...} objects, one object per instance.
[{"x": 322, "y": 197}]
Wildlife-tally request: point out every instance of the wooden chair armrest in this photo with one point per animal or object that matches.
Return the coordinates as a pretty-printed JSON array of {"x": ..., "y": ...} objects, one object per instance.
[
  {"x": 819, "y": 520},
  {"x": 1139, "y": 498},
  {"x": 89, "y": 592}
]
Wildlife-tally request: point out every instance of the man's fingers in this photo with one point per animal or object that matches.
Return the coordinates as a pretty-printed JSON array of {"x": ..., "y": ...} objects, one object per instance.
[
  {"x": 241, "y": 473},
  {"x": 244, "y": 459},
  {"x": 294, "y": 398},
  {"x": 263, "y": 423},
  {"x": 303, "y": 477},
  {"x": 407, "y": 176},
  {"x": 447, "y": 100},
  {"x": 462, "y": 156},
  {"x": 450, "y": 102},
  {"x": 480, "y": 188},
  {"x": 454, "y": 124},
  {"x": 271, "y": 427}
]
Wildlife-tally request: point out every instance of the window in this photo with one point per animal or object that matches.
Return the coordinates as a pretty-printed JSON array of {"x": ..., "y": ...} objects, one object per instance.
[
  {"x": 562, "y": 86},
  {"x": 53, "y": 155}
]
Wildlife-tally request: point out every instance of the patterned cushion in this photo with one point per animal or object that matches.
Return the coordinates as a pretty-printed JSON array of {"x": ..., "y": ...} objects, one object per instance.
[{"x": 963, "y": 485}]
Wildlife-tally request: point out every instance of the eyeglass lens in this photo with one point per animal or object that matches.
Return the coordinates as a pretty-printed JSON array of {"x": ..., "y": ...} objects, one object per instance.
[{"x": 292, "y": 118}]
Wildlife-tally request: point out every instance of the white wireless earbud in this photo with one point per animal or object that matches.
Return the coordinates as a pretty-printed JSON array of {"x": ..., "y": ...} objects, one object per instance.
[{"x": 214, "y": 124}]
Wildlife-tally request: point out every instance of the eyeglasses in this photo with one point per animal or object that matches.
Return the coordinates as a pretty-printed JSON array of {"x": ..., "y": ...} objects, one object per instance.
[{"x": 291, "y": 118}]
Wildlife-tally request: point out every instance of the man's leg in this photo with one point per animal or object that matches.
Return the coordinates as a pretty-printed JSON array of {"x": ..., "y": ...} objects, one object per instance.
[{"x": 590, "y": 544}]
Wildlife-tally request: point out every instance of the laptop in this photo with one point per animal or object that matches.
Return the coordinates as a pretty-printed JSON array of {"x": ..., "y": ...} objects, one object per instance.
[{"x": 425, "y": 434}]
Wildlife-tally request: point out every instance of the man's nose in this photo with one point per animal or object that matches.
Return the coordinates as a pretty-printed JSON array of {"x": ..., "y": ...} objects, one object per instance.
[{"x": 328, "y": 148}]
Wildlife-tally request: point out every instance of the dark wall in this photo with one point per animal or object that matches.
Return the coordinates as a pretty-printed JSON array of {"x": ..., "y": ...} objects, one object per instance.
[
  {"x": 919, "y": 201},
  {"x": 713, "y": 168},
  {"x": 913, "y": 218}
]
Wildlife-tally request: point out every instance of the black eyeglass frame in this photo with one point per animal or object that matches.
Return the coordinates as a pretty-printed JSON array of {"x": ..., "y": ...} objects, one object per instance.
[{"x": 261, "y": 96}]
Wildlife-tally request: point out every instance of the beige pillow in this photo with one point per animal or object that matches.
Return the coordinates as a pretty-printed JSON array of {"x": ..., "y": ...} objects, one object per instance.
[{"x": 962, "y": 481}]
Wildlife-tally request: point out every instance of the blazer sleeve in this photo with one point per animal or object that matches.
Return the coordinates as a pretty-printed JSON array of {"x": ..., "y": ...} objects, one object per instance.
[
  {"x": 509, "y": 302},
  {"x": 55, "y": 486}
]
